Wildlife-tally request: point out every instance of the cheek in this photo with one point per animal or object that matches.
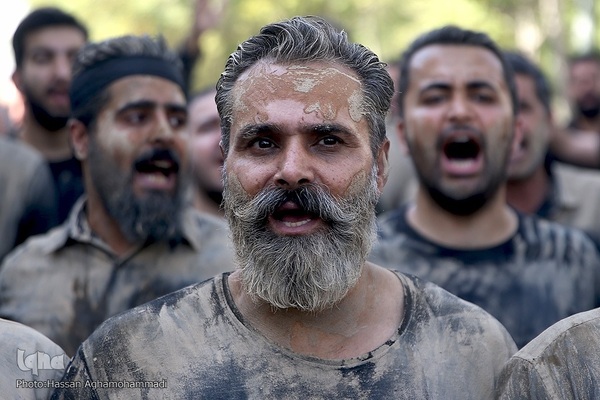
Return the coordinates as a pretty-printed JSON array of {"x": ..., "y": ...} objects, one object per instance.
[{"x": 252, "y": 177}]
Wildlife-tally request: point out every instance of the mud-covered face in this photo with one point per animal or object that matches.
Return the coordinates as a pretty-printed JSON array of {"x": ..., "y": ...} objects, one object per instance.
[
  {"x": 136, "y": 155},
  {"x": 299, "y": 140},
  {"x": 458, "y": 124}
]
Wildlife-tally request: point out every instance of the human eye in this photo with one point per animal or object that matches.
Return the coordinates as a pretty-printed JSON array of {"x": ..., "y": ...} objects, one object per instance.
[
  {"x": 178, "y": 120},
  {"x": 433, "y": 97},
  {"x": 41, "y": 57},
  {"x": 261, "y": 143},
  {"x": 135, "y": 116},
  {"x": 484, "y": 96},
  {"x": 330, "y": 141}
]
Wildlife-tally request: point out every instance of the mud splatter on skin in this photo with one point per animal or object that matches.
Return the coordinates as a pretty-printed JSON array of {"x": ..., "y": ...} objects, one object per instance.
[{"x": 295, "y": 80}]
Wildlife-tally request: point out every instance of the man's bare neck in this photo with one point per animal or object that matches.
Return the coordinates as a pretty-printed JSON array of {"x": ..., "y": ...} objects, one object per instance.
[
  {"x": 365, "y": 319},
  {"x": 54, "y": 146},
  {"x": 528, "y": 195},
  {"x": 493, "y": 224}
]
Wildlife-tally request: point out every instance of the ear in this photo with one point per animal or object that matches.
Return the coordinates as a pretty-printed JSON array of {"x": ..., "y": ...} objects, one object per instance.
[
  {"x": 383, "y": 164},
  {"x": 79, "y": 139},
  {"x": 400, "y": 134},
  {"x": 221, "y": 147},
  {"x": 518, "y": 135},
  {"x": 16, "y": 78}
]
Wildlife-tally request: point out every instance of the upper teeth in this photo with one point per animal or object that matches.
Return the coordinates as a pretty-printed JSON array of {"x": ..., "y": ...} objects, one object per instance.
[{"x": 295, "y": 224}]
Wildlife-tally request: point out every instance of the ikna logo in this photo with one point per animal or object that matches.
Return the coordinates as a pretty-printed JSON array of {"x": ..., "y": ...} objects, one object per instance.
[{"x": 39, "y": 360}]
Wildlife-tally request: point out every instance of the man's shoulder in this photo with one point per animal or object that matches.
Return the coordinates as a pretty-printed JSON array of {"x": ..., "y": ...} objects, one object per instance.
[
  {"x": 427, "y": 297},
  {"x": 437, "y": 300},
  {"x": 13, "y": 152},
  {"x": 577, "y": 332},
  {"x": 572, "y": 176},
  {"x": 561, "y": 362},
  {"x": 197, "y": 301},
  {"x": 16, "y": 335},
  {"x": 26, "y": 356},
  {"x": 434, "y": 309},
  {"x": 36, "y": 249},
  {"x": 534, "y": 230}
]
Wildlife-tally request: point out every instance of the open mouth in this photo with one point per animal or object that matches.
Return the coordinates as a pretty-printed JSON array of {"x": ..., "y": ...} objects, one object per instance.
[
  {"x": 291, "y": 218},
  {"x": 462, "y": 154},
  {"x": 461, "y": 148},
  {"x": 157, "y": 170}
]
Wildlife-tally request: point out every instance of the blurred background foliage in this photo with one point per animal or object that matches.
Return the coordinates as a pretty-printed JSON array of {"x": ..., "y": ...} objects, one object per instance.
[{"x": 546, "y": 30}]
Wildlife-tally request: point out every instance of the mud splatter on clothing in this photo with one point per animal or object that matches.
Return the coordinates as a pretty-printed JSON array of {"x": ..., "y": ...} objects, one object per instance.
[
  {"x": 198, "y": 344},
  {"x": 560, "y": 364},
  {"x": 67, "y": 282},
  {"x": 544, "y": 273}
]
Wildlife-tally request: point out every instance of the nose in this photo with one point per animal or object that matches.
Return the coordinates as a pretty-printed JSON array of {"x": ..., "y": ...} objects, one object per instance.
[
  {"x": 62, "y": 68},
  {"x": 162, "y": 132},
  {"x": 295, "y": 167},
  {"x": 460, "y": 108}
]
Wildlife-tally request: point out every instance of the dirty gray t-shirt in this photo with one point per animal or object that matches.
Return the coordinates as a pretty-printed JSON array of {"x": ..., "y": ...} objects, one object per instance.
[
  {"x": 31, "y": 365},
  {"x": 563, "y": 363},
  {"x": 67, "y": 282},
  {"x": 542, "y": 274},
  {"x": 195, "y": 344}
]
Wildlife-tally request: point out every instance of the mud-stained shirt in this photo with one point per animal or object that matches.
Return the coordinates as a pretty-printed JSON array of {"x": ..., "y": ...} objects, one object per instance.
[
  {"x": 67, "y": 282},
  {"x": 562, "y": 363},
  {"x": 542, "y": 274},
  {"x": 31, "y": 365},
  {"x": 195, "y": 344}
]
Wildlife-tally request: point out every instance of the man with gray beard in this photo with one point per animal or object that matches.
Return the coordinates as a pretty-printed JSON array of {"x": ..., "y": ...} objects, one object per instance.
[
  {"x": 304, "y": 316},
  {"x": 131, "y": 238}
]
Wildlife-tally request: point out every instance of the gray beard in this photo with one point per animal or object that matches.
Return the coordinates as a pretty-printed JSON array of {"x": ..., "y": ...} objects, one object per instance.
[{"x": 310, "y": 273}]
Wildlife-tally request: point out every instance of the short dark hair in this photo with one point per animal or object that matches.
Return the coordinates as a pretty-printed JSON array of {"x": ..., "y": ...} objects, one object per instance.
[
  {"x": 453, "y": 35},
  {"x": 303, "y": 40},
  {"x": 38, "y": 19},
  {"x": 521, "y": 65}
]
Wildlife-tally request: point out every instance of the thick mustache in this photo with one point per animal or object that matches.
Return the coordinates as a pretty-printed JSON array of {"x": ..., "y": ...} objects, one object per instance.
[
  {"x": 312, "y": 199},
  {"x": 308, "y": 198}
]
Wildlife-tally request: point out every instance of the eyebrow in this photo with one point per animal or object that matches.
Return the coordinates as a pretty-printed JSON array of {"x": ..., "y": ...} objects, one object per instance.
[
  {"x": 251, "y": 131},
  {"x": 476, "y": 84},
  {"x": 147, "y": 104}
]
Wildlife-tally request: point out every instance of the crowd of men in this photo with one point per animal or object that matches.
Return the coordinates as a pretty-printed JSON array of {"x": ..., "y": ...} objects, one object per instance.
[{"x": 240, "y": 242}]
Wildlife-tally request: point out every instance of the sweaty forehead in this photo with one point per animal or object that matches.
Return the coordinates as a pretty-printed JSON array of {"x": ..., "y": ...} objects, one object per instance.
[{"x": 322, "y": 82}]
